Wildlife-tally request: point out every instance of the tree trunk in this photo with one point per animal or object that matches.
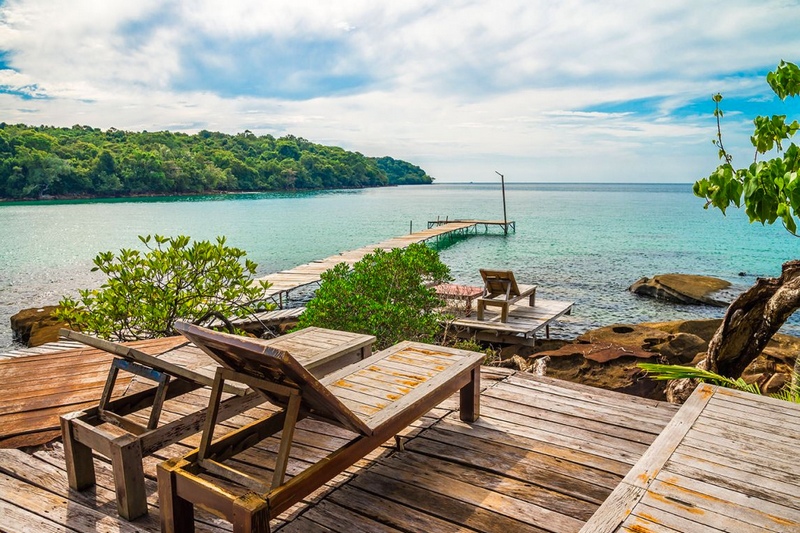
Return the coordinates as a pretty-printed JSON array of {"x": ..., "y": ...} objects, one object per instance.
[{"x": 749, "y": 324}]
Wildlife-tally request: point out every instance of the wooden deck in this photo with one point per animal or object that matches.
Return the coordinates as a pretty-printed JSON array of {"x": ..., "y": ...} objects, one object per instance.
[
  {"x": 727, "y": 462},
  {"x": 50, "y": 347},
  {"x": 543, "y": 456},
  {"x": 300, "y": 276},
  {"x": 504, "y": 224},
  {"x": 523, "y": 323},
  {"x": 36, "y": 389}
]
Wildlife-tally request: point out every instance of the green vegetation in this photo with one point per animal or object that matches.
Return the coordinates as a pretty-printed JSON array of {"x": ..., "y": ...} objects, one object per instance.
[
  {"x": 46, "y": 161},
  {"x": 790, "y": 392},
  {"x": 386, "y": 294},
  {"x": 769, "y": 190},
  {"x": 145, "y": 293},
  {"x": 401, "y": 172}
]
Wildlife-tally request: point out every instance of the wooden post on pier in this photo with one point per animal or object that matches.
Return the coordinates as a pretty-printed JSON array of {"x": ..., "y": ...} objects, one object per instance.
[{"x": 503, "y": 188}]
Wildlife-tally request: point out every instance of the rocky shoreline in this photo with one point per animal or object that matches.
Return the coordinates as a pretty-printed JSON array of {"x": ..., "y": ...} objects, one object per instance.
[{"x": 608, "y": 357}]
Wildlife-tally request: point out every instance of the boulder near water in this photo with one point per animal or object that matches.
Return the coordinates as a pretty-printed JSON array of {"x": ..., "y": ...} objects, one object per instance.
[
  {"x": 608, "y": 357},
  {"x": 35, "y": 326},
  {"x": 685, "y": 289}
]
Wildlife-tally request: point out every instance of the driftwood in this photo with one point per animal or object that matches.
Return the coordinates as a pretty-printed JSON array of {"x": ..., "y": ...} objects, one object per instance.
[{"x": 749, "y": 324}]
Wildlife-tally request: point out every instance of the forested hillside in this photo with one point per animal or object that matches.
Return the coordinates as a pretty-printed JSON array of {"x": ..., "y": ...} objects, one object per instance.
[{"x": 45, "y": 161}]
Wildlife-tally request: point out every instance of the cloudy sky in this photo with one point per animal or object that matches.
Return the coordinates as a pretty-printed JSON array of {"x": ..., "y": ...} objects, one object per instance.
[{"x": 541, "y": 90}]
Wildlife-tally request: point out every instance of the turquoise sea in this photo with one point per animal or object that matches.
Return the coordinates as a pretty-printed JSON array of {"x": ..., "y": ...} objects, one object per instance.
[{"x": 580, "y": 242}]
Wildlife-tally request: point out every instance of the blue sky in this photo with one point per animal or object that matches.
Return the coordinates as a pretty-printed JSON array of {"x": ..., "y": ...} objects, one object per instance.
[{"x": 575, "y": 90}]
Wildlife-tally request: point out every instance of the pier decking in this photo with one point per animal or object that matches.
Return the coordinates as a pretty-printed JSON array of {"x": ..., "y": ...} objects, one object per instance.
[
  {"x": 300, "y": 276},
  {"x": 505, "y": 224},
  {"x": 523, "y": 323},
  {"x": 36, "y": 389},
  {"x": 543, "y": 456}
]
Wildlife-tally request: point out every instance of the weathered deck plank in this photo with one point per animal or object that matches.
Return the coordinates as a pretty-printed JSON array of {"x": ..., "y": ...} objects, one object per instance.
[
  {"x": 36, "y": 389},
  {"x": 715, "y": 467}
]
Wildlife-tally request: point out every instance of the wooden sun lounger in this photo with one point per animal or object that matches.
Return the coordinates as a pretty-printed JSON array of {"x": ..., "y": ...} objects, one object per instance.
[
  {"x": 502, "y": 290},
  {"x": 108, "y": 428},
  {"x": 421, "y": 376}
]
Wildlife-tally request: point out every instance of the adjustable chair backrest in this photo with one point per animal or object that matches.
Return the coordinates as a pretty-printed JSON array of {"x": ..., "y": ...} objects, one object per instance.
[
  {"x": 500, "y": 282},
  {"x": 253, "y": 358}
]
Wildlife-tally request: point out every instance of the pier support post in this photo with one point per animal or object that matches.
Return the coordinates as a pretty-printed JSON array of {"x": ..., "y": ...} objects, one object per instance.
[{"x": 503, "y": 188}]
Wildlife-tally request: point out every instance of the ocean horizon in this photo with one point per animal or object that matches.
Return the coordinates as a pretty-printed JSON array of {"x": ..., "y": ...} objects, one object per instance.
[{"x": 581, "y": 242}]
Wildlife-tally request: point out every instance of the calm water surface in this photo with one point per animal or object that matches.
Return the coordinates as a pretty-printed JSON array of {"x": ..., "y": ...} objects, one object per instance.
[{"x": 583, "y": 243}]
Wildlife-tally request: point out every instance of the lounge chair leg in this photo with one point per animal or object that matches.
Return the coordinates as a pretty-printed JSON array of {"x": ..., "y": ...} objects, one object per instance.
[
  {"x": 399, "y": 443},
  {"x": 480, "y": 310},
  {"x": 177, "y": 514},
  {"x": 80, "y": 465},
  {"x": 126, "y": 461},
  {"x": 250, "y": 515},
  {"x": 292, "y": 410},
  {"x": 470, "y": 397}
]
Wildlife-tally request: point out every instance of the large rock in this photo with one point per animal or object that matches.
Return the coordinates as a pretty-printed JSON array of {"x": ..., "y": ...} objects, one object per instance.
[
  {"x": 599, "y": 352},
  {"x": 684, "y": 289},
  {"x": 682, "y": 348},
  {"x": 771, "y": 370},
  {"x": 608, "y": 357},
  {"x": 621, "y": 374},
  {"x": 626, "y": 335},
  {"x": 36, "y": 326},
  {"x": 703, "y": 328}
]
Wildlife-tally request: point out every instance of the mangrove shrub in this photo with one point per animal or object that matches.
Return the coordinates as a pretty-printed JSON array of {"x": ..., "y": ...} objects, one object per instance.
[
  {"x": 146, "y": 292},
  {"x": 386, "y": 294}
]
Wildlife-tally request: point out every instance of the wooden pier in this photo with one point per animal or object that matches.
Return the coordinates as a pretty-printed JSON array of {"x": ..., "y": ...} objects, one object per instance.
[
  {"x": 286, "y": 281},
  {"x": 504, "y": 224}
]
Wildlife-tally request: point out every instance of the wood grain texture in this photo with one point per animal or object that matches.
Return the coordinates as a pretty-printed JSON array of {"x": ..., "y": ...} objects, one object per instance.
[{"x": 714, "y": 467}]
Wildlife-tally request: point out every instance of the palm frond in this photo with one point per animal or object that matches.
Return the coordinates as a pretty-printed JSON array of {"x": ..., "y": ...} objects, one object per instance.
[
  {"x": 790, "y": 393},
  {"x": 669, "y": 372}
]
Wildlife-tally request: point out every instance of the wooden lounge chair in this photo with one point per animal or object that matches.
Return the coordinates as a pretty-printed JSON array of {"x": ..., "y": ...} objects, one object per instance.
[
  {"x": 428, "y": 375},
  {"x": 111, "y": 430},
  {"x": 501, "y": 290}
]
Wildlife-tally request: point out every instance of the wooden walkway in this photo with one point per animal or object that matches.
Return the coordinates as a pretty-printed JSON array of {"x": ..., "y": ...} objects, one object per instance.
[
  {"x": 543, "y": 456},
  {"x": 521, "y": 327},
  {"x": 505, "y": 225},
  {"x": 727, "y": 462},
  {"x": 36, "y": 389},
  {"x": 288, "y": 280},
  {"x": 50, "y": 347}
]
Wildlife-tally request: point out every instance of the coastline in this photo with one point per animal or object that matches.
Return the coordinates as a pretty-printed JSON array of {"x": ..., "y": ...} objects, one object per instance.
[{"x": 211, "y": 194}]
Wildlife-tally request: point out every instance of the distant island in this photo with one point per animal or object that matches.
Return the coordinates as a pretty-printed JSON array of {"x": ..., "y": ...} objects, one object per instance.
[{"x": 41, "y": 162}]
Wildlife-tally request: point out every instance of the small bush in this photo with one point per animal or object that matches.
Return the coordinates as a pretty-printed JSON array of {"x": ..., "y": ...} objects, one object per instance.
[
  {"x": 386, "y": 294},
  {"x": 145, "y": 293}
]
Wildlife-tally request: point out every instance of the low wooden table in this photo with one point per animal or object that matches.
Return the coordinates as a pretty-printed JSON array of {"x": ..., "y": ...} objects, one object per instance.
[{"x": 465, "y": 293}]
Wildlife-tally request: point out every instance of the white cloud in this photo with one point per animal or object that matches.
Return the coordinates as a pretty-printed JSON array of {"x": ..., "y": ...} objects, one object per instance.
[{"x": 549, "y": 88}]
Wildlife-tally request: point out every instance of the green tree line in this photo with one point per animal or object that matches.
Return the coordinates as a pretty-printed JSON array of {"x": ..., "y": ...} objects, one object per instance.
[{"x": 42, "y": 161}]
